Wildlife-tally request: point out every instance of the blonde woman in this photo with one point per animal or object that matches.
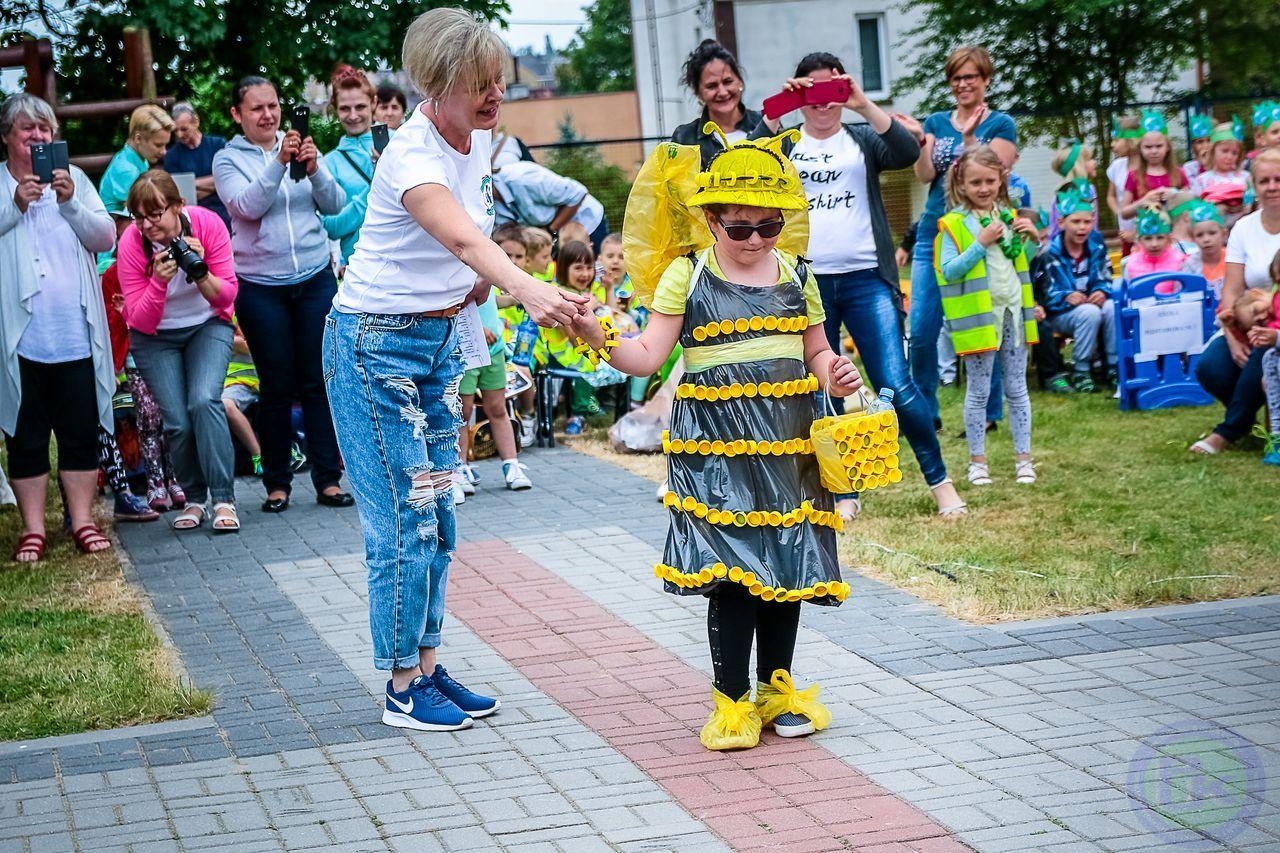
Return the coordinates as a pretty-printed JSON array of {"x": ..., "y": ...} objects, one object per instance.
[
  {"x": 150, "y": 130},
  {"x": 391, "y": 358}
]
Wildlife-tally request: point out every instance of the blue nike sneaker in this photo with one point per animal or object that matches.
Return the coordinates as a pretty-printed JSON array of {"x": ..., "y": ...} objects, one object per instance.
[
  {"x": 424, "y": 708},
  {"x": 473, "y": 704}
]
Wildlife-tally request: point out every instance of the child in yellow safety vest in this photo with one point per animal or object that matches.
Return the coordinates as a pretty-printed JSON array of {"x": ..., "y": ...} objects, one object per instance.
[
  {"x": 239, "y": 392},
  {"x": 984, "y": 279}
]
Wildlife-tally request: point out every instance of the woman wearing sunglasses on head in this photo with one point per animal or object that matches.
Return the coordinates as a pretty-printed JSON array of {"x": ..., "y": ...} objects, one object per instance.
[{"x": 852, "y": 251}]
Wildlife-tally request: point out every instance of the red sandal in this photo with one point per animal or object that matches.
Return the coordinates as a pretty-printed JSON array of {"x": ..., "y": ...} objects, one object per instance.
[
  {"x": 29, "y": 543},
  {"x": 90, "y": 540}
]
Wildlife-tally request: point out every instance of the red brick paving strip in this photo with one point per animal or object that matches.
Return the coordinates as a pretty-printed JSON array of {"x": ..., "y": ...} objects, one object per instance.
[{"x": 649, "y": 705}]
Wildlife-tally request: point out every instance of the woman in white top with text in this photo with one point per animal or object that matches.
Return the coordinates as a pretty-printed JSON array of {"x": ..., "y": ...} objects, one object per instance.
[{"x": 391, "y": 357}]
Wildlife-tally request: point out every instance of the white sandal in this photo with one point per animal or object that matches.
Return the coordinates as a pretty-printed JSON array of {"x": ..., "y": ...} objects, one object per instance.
[
  {"x": 1024, "y": 472},
  {"x": 225, "y": 518},
  {"x": 955, "y": 510},
  {"x": 191, "y": 517},
  {"x": 1204, "y": 448},
  {"x": 980, "y": 473}
]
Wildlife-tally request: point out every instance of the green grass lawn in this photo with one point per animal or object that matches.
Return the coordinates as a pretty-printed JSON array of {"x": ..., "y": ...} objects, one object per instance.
[
  {"x": 75, "y": 651},
  {"x": 1122, "y": 516}
]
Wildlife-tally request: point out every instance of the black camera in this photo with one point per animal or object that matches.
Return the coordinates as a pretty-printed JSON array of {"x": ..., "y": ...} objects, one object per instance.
[{"x": 187, "y": 260}]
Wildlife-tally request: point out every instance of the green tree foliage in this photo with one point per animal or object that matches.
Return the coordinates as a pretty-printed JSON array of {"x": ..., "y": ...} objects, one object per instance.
[
  {"x": 584, "y": 163},
  {"x": 202, "y": 48},
  {"x": 599, "y": 57},
  {"x": 1072, "y": 62},
  {"x": 1240, "y": 45}
]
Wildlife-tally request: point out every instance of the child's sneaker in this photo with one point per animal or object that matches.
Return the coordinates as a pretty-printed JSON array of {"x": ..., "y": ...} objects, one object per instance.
[
  {"x": 528, "y": 430},
  {"x": 158, "y": 500},
  {"x": 297, "y": 459},
  {"x": 460, "y": 481},
  {"x": 1024, "y": 472},
  {"x": 732, "y": 725},
  {"x": 791, "y": 712},
  {"x": 1083, "y": 383},
  {"x": 1059, "y": 385},
  {"x": 130, "y": 507},
  {"x": 257, "y": 464},
  {"x": 574, "y": 425},
  {"x": 517, "y": 479},
  {"x": 469, "y": 471},
  {"x": 459, "y": 494},
  {"x": 423, "y": 707},
  {"x": 472, "y": 704},
  {"x": 177, "y": 495},
  {"x": 1271, "y": 448}
]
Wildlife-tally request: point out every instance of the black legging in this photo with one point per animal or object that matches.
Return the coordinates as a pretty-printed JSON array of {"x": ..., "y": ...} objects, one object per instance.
[{"x": 734, "y": 618}]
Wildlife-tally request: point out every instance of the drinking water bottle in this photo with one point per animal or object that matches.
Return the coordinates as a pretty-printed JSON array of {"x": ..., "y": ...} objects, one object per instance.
[
  {"x": 526, "y": 337},
  {"x": 884, "y": 403}
]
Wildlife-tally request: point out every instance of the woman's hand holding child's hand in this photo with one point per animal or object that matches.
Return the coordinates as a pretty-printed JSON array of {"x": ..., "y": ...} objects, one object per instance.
[
  {"x": 991, "y": 232},
  {"x": 843, "y": 378},
  {"x": 588, "y": 328}
]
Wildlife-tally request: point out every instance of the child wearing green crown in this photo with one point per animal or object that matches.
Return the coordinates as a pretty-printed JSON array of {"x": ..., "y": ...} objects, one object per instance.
[
  {"x": 1154, "y": 174},
  {"x": 752, "y": 529}
]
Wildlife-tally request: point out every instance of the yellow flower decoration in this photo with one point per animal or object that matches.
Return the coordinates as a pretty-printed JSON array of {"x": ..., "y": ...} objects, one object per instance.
[{"x": 736, "y": 574}]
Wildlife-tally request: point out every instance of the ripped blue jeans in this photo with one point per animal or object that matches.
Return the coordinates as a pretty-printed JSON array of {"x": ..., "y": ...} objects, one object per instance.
[{"x": 393, "y": 388}]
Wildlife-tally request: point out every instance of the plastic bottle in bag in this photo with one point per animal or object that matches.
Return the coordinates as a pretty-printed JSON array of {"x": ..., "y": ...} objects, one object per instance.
[
  {"x": 884, "y": 403},
  {"x": 526, "y": 337}
]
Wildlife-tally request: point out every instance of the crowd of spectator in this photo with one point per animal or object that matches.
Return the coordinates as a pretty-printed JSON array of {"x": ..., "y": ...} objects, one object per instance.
[{"x": 194, "y": 281}]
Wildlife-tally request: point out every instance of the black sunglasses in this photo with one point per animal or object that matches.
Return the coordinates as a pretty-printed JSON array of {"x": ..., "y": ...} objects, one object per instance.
[{"x": 742, "y": 233}]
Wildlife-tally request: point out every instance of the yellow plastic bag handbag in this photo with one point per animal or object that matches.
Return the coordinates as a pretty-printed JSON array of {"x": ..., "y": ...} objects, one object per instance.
[{"x": 857, "y": 451}]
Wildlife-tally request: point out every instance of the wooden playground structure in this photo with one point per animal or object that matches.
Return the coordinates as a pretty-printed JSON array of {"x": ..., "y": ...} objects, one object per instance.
[{"x": 35, "y": 56}]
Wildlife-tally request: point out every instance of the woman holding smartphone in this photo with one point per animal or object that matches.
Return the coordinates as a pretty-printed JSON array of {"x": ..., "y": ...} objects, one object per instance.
[
  {"x": 286, "y": 284},
  {"x": 852, "y": 251}
]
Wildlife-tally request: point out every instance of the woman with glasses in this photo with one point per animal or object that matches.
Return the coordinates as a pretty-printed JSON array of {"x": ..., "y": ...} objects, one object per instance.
[
  {"x": 943, "y": 138},
  {"x": 179, "y": 285},
  {"x": 851, "y": 249}
]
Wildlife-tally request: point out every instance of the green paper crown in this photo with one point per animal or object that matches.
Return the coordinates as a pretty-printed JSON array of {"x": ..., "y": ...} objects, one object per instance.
[
  {"x": 1203, "y": 211},
  {"x": 1123, "y": 133},
  {"x": 1201, "y": 126},
  {"x": 1228, "y": 131},
  {"x": 1262, "y": 114},
  {"x": 1152, "y": 220},
  {"x": 1153, "y": 121},
  {"x": 1070, "y": 201}
]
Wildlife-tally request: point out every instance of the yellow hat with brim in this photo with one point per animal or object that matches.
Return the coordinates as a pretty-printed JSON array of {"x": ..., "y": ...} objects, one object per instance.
[{"x": 754, "y": 173}]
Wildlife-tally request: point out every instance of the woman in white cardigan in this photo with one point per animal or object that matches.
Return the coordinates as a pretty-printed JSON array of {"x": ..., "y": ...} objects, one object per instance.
[{"x": 56, "y": 376}]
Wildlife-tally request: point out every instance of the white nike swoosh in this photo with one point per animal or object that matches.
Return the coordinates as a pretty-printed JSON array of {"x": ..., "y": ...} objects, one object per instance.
[{"x": 407, "y": 709}]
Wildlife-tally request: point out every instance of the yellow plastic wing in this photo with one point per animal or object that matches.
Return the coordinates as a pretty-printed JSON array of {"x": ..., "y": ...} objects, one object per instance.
[{"x": 659, "y": 225}]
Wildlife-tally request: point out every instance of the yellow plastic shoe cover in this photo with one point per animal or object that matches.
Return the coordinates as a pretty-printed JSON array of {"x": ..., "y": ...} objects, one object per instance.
[
  {"x": 780, "y": 697},
  {"x": 732, "y": 725}
]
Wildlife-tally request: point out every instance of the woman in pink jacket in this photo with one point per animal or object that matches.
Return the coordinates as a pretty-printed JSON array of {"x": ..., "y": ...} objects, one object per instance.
[{"x": 179, "y": 286}]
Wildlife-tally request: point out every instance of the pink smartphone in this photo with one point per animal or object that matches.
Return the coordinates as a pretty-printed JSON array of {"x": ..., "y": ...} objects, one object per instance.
[
  {"x": 776, "y": 106},
  {"x": 827, "y": 92}
]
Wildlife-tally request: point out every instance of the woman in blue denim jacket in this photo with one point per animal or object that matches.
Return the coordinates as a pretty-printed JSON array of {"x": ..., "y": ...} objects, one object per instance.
[{"x": 392, "y": 362}]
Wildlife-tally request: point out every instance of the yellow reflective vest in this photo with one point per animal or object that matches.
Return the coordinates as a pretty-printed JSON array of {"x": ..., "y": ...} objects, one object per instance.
[{"x": 966, "y": 303}]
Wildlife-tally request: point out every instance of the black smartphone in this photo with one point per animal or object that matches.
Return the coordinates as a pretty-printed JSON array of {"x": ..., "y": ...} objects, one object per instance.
[
  {"x": 381, "y": 136},
  {"x": 61, "y": 159},
  {"x": 301, "y": 122},
  {"x": 42, "y": 161}
]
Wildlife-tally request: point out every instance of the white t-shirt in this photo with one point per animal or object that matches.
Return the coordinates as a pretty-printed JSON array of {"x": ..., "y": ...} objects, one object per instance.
[
  {"x": 397, "y": 267},
  {"x": 1251, "y": 245},
  {"x": 1117, "y": 174},
  {"x": 834, "y": 172},
  {"x": 58, "y": 330}
]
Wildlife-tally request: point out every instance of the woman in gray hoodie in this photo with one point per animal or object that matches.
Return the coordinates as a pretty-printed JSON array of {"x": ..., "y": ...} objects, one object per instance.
[{"x": 286, "y": 284}]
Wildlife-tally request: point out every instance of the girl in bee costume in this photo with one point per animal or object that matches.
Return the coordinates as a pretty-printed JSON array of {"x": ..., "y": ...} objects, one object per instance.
[{"x": 715, "y": 256}]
